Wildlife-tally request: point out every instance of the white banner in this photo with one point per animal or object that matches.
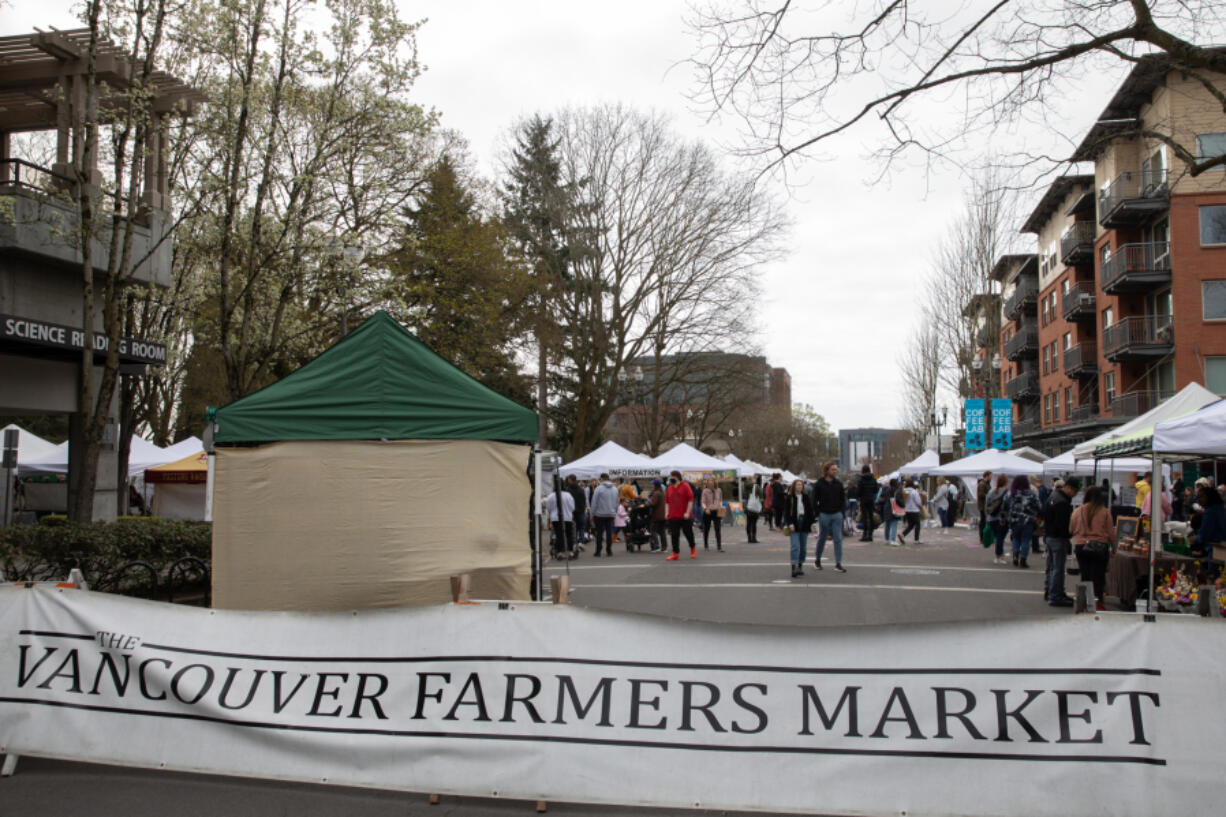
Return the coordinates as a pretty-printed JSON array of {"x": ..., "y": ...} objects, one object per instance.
[{"x": 1072, "y": 715}]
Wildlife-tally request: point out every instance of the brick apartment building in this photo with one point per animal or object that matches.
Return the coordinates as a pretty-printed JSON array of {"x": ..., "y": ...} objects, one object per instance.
[{"x": 1124, "y": 301}]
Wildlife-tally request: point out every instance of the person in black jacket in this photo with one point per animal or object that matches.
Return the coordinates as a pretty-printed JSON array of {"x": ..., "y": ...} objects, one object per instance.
[
  {"x": 866, "y": 492},
  {"x": 779, "y": 497},
  {"x": 798, "y": 515},
  {"x": 1059, "y": 541},
  {"x": 830, "y": 499},
  {"x": 576, "y": 490}
]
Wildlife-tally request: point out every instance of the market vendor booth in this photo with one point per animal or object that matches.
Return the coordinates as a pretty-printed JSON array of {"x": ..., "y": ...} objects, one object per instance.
[
  {"x": 179, "y": 487},
  {"x": 366, "y": 479}
]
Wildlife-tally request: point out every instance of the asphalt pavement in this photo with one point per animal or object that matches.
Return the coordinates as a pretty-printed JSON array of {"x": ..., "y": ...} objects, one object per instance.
[{"x": 949, "y": 577}]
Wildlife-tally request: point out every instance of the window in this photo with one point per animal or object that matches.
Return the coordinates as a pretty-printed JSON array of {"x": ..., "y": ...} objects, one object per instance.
[
  {"x": 1047, "y": 408},
  {"x": 1068, "y": 402},
  {"x": 1068, "y": 340},
  {"x": 1104, "y": 254},
  {"x": 1043, "y": 314},
  {"x": 1215, "y": 374},
  {"x": 1109, "y": 315},
  {"x": 1046, "y": 358},
  {"x": 1162, "y": 379},
  {"x": 1213, "y": 224},
  {"x": 1213, "y": 300},
  {"x": 1108, "y": 387},
  {"x": 1209, "y": 145},
  {"x": 1153, "y": 173},
  {"x": 1064, "y": 287},
  {"x": 1055, "y": 407}
]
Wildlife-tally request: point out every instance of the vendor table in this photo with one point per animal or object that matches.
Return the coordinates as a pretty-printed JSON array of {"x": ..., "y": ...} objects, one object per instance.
[{"x": 1125, "y": 568}]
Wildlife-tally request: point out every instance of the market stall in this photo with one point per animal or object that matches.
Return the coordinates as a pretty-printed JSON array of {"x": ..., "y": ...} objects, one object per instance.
[
  {"x": 611, "y": 459},
  {"x": 179, "y": 487},
  {"x": 367, "y": 478},
  {"x": 921, "y": 465}
]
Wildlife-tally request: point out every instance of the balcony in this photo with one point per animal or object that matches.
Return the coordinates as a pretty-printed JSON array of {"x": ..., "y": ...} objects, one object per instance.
[
  {"x": 1139, "y": 338},
  {"x": 1077, "y": 245},
  {"x": 1137, "y": 268},
  {"x": 983, "y": 337},
  {"x": 1024, "y": 387},
  {"x": 1024, "y": 343},
  {"x": 1081, "y": 360},
  {"x": 1136, "y": 403},
  {"x": 1080, "y": 302},
  {"x": 1083, "y": 414},
  {"x": 1133, "y": 198},
  {"x": 1025, "y": 297},
  {"x": 1025, "y": 428}
]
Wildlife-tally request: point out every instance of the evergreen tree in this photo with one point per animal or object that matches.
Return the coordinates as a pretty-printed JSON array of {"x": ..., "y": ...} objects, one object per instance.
[{"x": 454, "y": 284}]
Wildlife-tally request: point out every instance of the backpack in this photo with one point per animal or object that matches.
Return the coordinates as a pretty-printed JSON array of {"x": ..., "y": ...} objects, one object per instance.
[
  {"x": 994, "y": 507},
  {"x": 900, "y": 498}
]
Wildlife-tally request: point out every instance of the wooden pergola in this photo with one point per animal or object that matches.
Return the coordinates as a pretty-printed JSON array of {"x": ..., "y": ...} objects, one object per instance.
[{"x": 43, "y": 78}]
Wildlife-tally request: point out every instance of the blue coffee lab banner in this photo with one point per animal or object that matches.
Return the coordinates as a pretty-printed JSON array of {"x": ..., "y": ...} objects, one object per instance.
[
  {"x": 973, "y": 411},
  {"x": 1002, "y": 423}
]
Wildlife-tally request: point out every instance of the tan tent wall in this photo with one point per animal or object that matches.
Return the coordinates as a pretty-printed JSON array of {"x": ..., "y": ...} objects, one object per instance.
[{"x": 343, "y": 525}]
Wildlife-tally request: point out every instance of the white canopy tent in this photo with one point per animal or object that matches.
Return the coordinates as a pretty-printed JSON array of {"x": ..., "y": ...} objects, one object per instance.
[
  {"x": 922, "y": 464},
  {"x": 609, "y": 459},
  {"x": 1200, "y": 434},
  {"x": 743, "y": 469},
  {"x": 1192, "y": 397},
  {"x": 1029, "y": 453},
  {"x": 30, "y": 446},
  {"x": 994, "y": 460},
  {"x": 1066, "y": 464},
  {"x": 142, "y": 454},
  {"x": 685, "y": 457}
]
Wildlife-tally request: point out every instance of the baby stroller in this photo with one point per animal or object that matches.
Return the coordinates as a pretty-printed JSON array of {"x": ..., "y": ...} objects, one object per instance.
[{"x": 638, "y": 528}]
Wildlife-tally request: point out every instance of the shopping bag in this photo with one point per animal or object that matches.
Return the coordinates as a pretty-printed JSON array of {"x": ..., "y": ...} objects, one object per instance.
[{"x": 989, "y": 538}]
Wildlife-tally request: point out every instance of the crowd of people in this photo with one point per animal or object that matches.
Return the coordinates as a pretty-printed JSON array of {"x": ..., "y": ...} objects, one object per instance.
[{"x": 1060, "y": 519}]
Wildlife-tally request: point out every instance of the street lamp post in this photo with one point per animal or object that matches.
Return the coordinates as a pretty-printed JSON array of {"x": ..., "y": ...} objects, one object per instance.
[
  {"x": 349, "y": 256},
  {"x": 936, "y": 421}
]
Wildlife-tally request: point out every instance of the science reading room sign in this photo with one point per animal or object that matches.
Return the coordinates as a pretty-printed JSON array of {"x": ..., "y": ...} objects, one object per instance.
[
  {"x": 16, "y": 329},
  {"x": 492, "y": 700}
]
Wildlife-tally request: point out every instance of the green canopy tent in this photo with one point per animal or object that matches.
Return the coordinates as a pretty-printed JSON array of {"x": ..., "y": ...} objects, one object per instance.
[{"x": 367, "y": 478}]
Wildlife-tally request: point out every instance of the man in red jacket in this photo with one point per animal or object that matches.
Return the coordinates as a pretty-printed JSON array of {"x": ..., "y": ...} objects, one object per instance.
[{"x": 680, "y": 501}]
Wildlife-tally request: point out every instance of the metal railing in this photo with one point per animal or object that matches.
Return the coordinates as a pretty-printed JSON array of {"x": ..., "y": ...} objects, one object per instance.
[
  {"x": 1080, "y": 301},
  {"x": 1144, "y": 186},
  {"x": 1136, "y": 403},
  {"x": 1133, "y": 265},
  {"x": 1023, "y": 341},
  {"x": 1155, "y": 332},
  {"x": 29, "y": 176},
  {"x": 1024, "y": 295},
  {"x": 1083, "y": 413},
  {"x": 1025, "y": 428},
  {"x": 1077, "y": 243},
  {"x": 1081, "y": 359},
  {"x": 1025, "y": 385}
]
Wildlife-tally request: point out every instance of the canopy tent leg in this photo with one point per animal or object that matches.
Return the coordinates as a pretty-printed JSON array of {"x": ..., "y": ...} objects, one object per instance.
[{"x": 1155, "y": 527}]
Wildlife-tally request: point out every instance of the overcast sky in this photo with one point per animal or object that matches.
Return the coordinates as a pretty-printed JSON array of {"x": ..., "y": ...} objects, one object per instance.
[{"x": 857, "y": 253}]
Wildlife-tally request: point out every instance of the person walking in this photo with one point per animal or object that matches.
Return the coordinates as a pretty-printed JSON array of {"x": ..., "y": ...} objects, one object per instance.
[
  {"x": 866, "y": 491},
  {"x": 580, "y": 497},
  {"x": 912, "y": 508},
  {"x": 604, "y": 511},
  {"x": 994, "y": 507},
  {"x": 712, "y": 508},
  {"x": 753, "y": 508},
  {"x": 982, "y": 489},
  {"x": 1058, "y": 538},
  {"x": 560, "y": 506},
  {"x": 1022, "y": 512},
  {"x": 799, "y": 519},
  {"x": 1091, "y": 528},
  {"x": 830, "y": 499},
  {"x": 941, "y": 501},
  {"x": 768, "y": 498},
  {"x": 890, "y": 511},
  {"x": 679, "y": 500},
  {"x": 659, "y": 517},
  {"x": 779, "y": 493}
]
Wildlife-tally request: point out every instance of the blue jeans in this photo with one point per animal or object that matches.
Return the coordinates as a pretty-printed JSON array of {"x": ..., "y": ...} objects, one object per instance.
[
  {"x": 999, "y": 531},
  {"x": 891, "y": 528},
  {"x": 1021, "y": 540},
  {"x": 1057, "y": 555},
  {"x": 800, "y": 542},
  {"x": 943, "y": 513},
  {"x": 830, "y": 524},
  {"x": 604, "y": 533}
]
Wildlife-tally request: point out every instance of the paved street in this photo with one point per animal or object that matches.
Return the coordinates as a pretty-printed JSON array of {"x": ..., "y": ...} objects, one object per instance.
[{"x": 949, "y": 577}]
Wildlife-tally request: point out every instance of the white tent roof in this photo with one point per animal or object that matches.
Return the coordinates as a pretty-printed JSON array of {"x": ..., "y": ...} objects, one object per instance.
[
  {"x": 685, "y": 457},
  {"x": 1029, "y": 453},
  {"x": 1066, "y": 464},
  {"x": 922, "y": 464},
  {"x": 30, "y": 446},
  {"x": 142, "y": 454},
  {"x": 1192, "y": 397},
  {"x": 743, "y": 469},
  {"x": 1200, "y": 433},
  {"x": 610, "y": 459},
  {"x": 994, "y": 460},
  {"x": 758, "y": 468}
]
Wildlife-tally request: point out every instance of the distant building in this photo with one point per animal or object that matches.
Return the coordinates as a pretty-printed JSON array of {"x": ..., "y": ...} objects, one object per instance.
[
  {"x": 882, "y": 448},
  {"x": 706, "y": 399}
]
